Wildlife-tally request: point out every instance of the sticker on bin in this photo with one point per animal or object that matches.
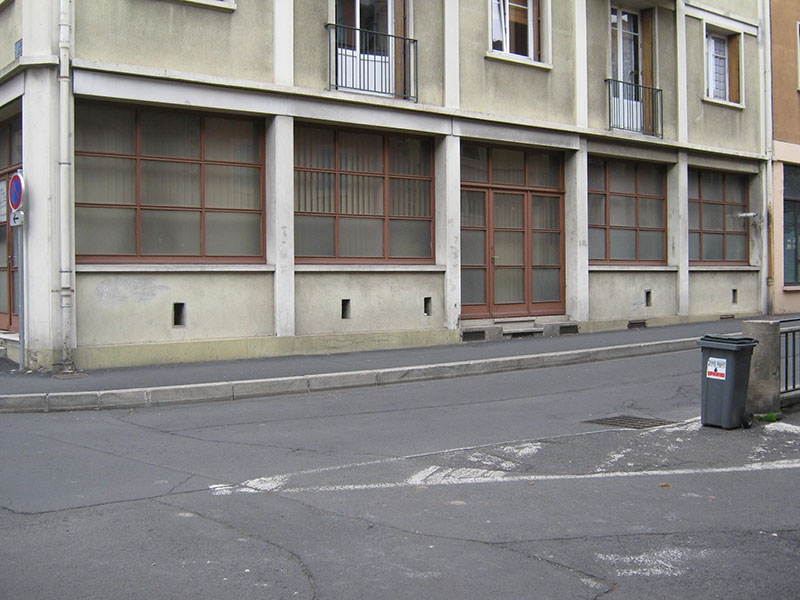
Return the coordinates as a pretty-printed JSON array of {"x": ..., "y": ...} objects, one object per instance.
[{"x": 716, "y": 368}]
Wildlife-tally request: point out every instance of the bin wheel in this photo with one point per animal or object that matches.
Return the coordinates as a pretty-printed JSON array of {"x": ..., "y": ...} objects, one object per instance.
[{"x": 747, "y": 420}]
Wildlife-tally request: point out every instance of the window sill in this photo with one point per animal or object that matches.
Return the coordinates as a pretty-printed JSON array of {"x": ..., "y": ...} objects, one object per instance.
[
  {"x": 172, "y": 268},
  {"x": 362, "y": 268},
  {"x": 519, "y": 60},
  {"x": 225, "y": 5},
  {"x": 631, "y": 268},
  {"x": 791, "y": 287},
  {"x": 722, "y": 267},
  {"x": 725, "y": 103}
]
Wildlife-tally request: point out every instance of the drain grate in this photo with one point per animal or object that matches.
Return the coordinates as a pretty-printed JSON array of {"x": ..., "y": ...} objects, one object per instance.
[{"x": 630, "y": 422}]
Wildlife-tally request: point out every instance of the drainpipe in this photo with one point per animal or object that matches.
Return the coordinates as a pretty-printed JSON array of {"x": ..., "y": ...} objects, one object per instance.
[{"x": 66, "y": 291}]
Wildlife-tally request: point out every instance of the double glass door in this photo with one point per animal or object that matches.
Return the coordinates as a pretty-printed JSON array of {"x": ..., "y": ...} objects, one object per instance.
[
  {"x": 10, "y": 161},
  {"x": 511, "y": 253}
]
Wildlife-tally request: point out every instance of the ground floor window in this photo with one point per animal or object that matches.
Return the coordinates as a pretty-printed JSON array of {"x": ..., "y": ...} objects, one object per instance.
[
  {"x": 791, "y": 224},
  {"x": 362, "y": 196},
  {"x": 717, "y": 229},
  {"x": 173, "y": 185},
  {"x": 627, "y": 211},
  {"x": 10, "y": 161}
]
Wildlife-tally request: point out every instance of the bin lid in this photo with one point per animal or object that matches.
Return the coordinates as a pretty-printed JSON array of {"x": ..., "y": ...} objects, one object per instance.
[{"x": 732, "y": 342}]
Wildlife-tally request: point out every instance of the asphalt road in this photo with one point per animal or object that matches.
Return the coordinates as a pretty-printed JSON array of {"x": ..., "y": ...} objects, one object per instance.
[{"x": 493, "y": 486}]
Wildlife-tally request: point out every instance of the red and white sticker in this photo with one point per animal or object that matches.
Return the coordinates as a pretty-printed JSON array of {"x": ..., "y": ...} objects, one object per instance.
[{"x": 716, "y": 368}]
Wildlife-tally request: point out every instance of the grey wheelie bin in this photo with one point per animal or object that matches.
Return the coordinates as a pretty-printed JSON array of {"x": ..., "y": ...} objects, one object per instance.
[{"x": 726, "y": 373}]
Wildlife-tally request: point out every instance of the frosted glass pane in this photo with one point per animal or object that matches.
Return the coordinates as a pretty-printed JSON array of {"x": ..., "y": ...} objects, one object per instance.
[
  {"x": 233, "y": 187},
  {"x": 544, "y": 170},
  {"x": 15, "y": 292},
  {"x": 361, "y": 237},
  {"x": 232, "y": 140},
  {"x": 651, "y": 245},
  {"x": 651, "y": 180},
  {"x": 313, "y": 236},
  {"x": 106, "y": 231},
  {"x": 313, "y": 192},
  {"x": 473, "y": 209},
  {"x": 712, "y": 246},
  {"x": 545, "y": 212},
  {"x": 651, "y": 212},
  {"x": 712, "y": 217},
  {"x": 733, "y": 222},
  {"x": 409, "y": 198},
  {"x": 597, "y": 209},
  {"x": 409, "y": 156},
  {"x": 546, "y": 285},
  {"x": 597, "y": 175},
  {"x": 101, "y": 180},
  {"x": 174, "y": 233},
  {"x": 5, "y": 156},
  {"x": 233, "y": 234},
  {"x": 473, "y": 247},
  {"x": 409, "y": 239},
  {"x": 597, "y": 244},
  {"x": 736, "y": 247},
  {"x": 509, "y": 248},
  {"x": 623, "y": 210},
  {"x": 362, "y": 152},
  {"x": 694, "y": 184},
  {"x": 16, "y": 141},
  {"x": 474, "y": 163},
  {"x": 170, "y": 134},
  {"x": 473, "y": 286},
  {"x": 359, "y": 195},
  {"x": 694, "y": 215},
  {"x": 694, "y": 246},
  {"x": 791, "y": 181},
  {"x": 509, "y": 286},
  {"x": 3, "y": 241},
  {"x": 170, "y": 184},
  {"x": 508, "y": 211},
  {"x": 4, "y": 291},
  {"x": 314, "y": 148},
  {"x": 623, "y": 244},
  {"x": 712, "y": 186},
  {"x": 622, "y": 177},
  {"x": 508, "y": 166},
  {"x": 546, "y": 248},
  {"x": 105, "y": 129}
]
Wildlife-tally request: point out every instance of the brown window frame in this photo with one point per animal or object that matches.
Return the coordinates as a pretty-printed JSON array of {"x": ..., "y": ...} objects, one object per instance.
[
  {"x": 725, "y": 204},
  {"x": 387, "y": 176},
  {"x": 638, "y": 196},
  {"x": 139, "y": 157}
]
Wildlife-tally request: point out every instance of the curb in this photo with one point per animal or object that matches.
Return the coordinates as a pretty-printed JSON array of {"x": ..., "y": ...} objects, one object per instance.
[{"x": 260, "y": 388}]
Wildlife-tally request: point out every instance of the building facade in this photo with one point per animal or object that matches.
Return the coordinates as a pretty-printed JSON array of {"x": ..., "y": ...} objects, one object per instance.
[
  {"x": 209, "y": 179},
  {"x": 784, "y": 277}
]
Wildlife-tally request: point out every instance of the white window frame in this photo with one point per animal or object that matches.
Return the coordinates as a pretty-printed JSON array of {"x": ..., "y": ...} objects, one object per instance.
[
  {"x": 499, "y": 32},
  {"x": 713, "y": 35}
]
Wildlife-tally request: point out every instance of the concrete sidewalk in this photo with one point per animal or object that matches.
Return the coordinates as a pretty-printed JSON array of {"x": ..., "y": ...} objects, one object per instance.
[{"x": 160, "y": 385}]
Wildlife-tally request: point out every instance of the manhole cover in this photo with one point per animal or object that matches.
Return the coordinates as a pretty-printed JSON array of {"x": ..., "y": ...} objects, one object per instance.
[{"x": 630, "y": 422}]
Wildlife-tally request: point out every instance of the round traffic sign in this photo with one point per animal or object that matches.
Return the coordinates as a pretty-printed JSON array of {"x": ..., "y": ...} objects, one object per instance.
[{"x": 16, "y": 189}]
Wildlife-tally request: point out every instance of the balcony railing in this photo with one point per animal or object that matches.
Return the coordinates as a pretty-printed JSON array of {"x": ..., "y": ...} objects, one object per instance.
[
  {"x": 372, "y": 62},
  {"x": 634, "y": 107}
]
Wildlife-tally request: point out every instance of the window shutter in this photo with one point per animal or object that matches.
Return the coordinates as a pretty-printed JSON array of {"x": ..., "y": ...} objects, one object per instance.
[{"x": 734, "y": 94}]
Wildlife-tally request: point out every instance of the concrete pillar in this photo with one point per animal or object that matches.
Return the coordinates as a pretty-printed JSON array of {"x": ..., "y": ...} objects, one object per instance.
[
  {"x": 448, "y": 225},
  {"x": 763, "y": 392},
  {"x": 576, "y": 232}
]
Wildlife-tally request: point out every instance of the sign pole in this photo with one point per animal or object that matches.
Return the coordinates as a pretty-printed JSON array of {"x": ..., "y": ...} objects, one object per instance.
[{"x": 16, "y": 192}]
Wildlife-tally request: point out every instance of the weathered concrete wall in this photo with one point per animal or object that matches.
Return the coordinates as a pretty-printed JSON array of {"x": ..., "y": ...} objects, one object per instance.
[
  {"x": 712, "y": 293},
  {"x": 10, "y": 30},
  {"x": 622, "y": 295}
]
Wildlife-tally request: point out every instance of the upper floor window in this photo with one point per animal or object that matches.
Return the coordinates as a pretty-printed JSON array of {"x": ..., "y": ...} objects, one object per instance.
[
  {"x": 717, "y": 230},
  {"x": 627, "y": 211},
  {"x": 157, "y": 185},
  {"x": 362, "y": 196},
  {"x": 791, "y": 224},
  {"x": 723, "y": 72},
  {"x": 516, "y": 27}
]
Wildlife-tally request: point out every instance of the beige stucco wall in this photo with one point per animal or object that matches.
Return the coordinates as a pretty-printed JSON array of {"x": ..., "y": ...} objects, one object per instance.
[
  {"x": 786, "y": 100},
  {"x": 428, "y": 30},
  {"x": 311, "y": 44},
  {"x": 178, "y": 37},
  {"x": 378, "y": 302},
  {"x": 735, "y": 127},
  {"x": 136, "y": 308},
  {"x": 666, "y": 70},
  {"x": 621, "y": 295},
  {"x": 509, "y": 89},
  {"x": 711, "y": 293},
  {"x": 10, "y": 30}
]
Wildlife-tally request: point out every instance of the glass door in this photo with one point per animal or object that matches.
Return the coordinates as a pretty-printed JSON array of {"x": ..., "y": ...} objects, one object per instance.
[{"x": 625, "y": 69}]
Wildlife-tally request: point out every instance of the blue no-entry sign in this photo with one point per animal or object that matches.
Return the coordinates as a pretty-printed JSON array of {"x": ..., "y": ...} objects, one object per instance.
[{"x": 16, "y": 190}]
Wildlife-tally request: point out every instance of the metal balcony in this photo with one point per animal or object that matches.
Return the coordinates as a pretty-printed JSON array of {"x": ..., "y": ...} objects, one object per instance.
[
  {"x": 635, "y": 108},
  {"x": 372, "y": 62}
]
